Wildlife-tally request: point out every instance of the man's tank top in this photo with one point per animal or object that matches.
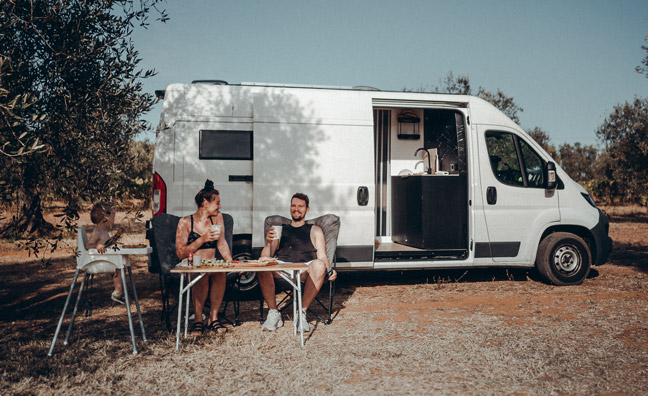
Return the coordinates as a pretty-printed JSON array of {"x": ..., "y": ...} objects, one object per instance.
[{"x": 295, "y": 245}]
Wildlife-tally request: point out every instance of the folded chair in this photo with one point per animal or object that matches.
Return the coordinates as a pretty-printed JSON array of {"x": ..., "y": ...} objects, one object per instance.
[
  {"x": 92, "y": 264},
  {"x": 162, "y": 237},
  {"x": 330, "y": 225}
]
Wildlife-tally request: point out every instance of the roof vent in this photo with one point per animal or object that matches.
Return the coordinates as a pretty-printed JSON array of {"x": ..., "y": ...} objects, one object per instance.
[
  {"x": 214, "y": 82},
  {"x": 365, "y": 88}
]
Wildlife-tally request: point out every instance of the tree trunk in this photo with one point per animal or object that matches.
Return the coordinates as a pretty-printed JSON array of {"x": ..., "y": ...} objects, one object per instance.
[{"x": 29, "y": 221}]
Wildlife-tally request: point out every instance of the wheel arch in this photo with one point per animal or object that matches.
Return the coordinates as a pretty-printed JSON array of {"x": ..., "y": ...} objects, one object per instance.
[{"x": 580, "y": 231}]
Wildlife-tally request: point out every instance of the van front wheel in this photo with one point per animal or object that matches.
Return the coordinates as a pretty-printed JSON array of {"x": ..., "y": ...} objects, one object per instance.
[{"x": 564, "y": 259}]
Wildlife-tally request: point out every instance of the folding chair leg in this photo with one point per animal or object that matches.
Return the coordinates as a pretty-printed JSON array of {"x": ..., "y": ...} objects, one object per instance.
[
  {"x": 139, "y": 313},
  {"x": 166, "y": 313},
  {"x": 74, "y": 311},
  {"x": 60, "y": 323},
  {"x": 128, "y": 312}
]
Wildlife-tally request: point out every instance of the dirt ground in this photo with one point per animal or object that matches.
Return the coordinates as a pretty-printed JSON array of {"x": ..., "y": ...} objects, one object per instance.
[{"x": 476, "y": 332}]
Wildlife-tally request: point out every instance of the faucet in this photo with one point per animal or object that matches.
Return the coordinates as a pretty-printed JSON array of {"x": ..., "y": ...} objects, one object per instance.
[{"x": 429, "y": 169}]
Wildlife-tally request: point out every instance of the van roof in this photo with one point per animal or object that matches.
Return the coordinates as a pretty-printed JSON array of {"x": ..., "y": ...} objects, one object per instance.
[{"x": 197, "y": 96}]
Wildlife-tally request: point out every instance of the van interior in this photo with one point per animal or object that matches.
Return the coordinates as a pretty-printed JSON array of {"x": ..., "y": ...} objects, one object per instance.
[{"x": 421, "y": 184}]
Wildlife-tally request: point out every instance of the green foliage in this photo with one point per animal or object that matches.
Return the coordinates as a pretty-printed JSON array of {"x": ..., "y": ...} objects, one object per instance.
[
  {"x": 542, "y": 138},
  {"x": 625, "y": 134},
  {"x": 76, "y": 64},
  {"x": 643, "y": 68},
  {"x": 71, "y": 93},
  {"x": 461, "y": 85},
  {"x": 578, "y": 161}
]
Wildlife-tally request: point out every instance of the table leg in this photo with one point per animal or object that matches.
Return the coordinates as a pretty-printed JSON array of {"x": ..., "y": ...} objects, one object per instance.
[
  {"x": 299, "y": 301},
  {"x": 296, "y": 312},
  {"x": 187, "y": 309},
  {"x": 179, "y": 311}
]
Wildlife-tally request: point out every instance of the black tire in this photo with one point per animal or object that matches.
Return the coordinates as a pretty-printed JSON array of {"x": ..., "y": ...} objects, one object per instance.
[
  {"x": 564, "y": 259},
  {"x": 248, "y": 282}
]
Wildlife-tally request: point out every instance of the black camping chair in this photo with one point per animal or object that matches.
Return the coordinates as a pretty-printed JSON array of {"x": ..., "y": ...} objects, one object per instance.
[
  {"x": 330, "y": 225},
  {"x": 162, "y": 237}
]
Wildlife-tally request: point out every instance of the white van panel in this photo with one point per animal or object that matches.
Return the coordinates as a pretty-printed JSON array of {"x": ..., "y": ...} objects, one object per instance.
[{"x": 304, "y": 143}]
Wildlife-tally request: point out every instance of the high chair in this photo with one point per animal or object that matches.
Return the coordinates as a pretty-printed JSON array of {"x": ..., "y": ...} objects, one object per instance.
[{"x": 91, "y": 263}]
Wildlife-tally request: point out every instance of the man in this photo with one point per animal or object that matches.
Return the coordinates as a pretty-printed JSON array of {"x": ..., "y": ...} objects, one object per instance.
[{"x": 300, "y": 242}]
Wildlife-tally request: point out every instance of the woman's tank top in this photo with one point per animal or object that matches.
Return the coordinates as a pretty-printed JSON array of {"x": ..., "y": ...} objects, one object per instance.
[{"x": 193, "y": 236}]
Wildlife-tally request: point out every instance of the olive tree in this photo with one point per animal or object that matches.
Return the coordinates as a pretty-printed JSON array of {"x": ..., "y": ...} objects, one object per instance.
[{"x": 75, "y": 63}]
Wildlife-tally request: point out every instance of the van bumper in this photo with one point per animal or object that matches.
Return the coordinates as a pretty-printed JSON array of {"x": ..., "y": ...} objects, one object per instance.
[{"x": 602, "y": 240}]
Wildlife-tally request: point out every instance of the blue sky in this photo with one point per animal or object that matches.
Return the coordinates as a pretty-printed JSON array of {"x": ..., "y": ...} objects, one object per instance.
[{"x": 566, "y": 63}]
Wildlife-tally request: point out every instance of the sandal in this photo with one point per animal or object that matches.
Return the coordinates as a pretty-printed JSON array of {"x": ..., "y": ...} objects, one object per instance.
[
  {"x": 217, "y": 327},
  {"x": 197, "y": 328}
]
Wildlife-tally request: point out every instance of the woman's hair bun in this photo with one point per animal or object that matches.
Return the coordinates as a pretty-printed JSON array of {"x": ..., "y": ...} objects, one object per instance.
[{"x": 209, "y": 185}]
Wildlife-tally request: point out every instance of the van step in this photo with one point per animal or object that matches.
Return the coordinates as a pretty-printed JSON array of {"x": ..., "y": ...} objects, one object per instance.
[{"x": 421, "y": 255}]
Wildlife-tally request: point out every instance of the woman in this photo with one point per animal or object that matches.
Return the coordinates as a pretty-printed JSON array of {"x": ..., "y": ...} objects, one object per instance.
[{"x": 194, "y": 235}]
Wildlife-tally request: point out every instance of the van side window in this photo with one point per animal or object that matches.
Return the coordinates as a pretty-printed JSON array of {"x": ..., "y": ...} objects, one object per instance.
[
  {"x": 225, "y": 145},
  {"x": 503, "y": 158},
  {"x": 513, "y": 161},
  {"x": 533, "y": 165}
]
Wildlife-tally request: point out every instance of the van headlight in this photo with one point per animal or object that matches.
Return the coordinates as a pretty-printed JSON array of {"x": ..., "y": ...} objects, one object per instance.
[{"x": 589, "y": 199}]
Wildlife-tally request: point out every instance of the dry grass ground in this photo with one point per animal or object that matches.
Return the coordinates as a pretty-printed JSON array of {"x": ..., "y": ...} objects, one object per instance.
[{"x": 481, "y": 332}]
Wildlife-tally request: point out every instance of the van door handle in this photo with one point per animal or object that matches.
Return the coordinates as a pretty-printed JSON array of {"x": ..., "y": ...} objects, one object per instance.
[
  {"x": 491, "y": 195},
  {"x": 363, "y": 196}
]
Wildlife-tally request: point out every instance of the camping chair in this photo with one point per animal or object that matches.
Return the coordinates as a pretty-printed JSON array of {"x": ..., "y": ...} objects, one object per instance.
[
  {"x": 92, "y": 264},
  {"x": 330, "y": 225},
  {"x": 162, "y": 237}
]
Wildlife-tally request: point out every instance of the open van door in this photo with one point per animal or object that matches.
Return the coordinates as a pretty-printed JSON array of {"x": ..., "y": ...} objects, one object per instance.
[
  {"x": 317, "y": 142},
  {"x": 518, "y": 206}
]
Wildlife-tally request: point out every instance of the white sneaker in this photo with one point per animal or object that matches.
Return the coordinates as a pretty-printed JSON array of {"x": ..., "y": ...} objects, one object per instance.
[
  {"x": 304, "y": 322},
  {"x": 273, "y": 321}
]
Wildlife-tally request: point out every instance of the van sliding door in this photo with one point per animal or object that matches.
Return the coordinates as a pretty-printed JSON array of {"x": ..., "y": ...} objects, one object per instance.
[{"x": 318, "y": 142}]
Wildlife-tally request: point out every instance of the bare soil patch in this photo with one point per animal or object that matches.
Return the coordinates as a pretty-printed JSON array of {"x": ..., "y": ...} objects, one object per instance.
[{"x": 475, "y": 332}]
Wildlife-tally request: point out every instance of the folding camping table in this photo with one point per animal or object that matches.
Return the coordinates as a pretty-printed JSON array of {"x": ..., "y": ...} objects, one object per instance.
[{"x": 291, "y": 272}]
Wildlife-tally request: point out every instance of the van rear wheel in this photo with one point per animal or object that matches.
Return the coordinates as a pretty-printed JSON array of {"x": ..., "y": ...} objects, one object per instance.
[
  {"x": 564, "y": 259},
  {"x": 248, "y": 282}
]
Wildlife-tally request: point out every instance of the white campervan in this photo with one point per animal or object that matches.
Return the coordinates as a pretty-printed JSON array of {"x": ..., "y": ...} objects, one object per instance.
[{"x": 418, "y": 180}]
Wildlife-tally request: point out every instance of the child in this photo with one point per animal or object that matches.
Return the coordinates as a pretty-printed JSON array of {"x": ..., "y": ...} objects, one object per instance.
[{"x": 103, "y": 215}]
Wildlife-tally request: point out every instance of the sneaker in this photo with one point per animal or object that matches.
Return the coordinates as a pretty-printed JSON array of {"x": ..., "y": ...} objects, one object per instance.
[
  {"x": 118, "y": 297},
  {"x": 273, "y": 322},
  {"x": 304, "y": 322}
]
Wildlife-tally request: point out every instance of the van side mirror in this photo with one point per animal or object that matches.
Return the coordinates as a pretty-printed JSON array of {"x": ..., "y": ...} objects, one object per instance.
[{"x": 551, "y": 178}]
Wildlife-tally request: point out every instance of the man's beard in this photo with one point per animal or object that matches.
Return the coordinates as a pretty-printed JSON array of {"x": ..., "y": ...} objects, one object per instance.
[{"x": 300, "y": 218}]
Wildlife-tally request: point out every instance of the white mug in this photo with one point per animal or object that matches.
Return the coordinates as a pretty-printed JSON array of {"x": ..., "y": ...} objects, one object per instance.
[
  {"x": 277, "y": 230},
  {"x": 218, "y": 228},
  {"x": 196, "y": 261}
]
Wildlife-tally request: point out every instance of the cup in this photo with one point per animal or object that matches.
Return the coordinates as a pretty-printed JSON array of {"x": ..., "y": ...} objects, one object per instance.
[
  {"x": 217, "y": 228},
  {"x": 196, "y": 261},
  {"x": 277, "y": 230}
]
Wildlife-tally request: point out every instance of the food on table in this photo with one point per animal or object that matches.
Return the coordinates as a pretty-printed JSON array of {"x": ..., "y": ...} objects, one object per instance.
[{"x": 214, "y": 263}]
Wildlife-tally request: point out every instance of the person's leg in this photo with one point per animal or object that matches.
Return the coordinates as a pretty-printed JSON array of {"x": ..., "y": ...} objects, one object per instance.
[
  {"x": 314, "y": 279},
  {"x": 117, "y": 282},
  {"x": 266, "y": 282},
  {"x": 216, "y": 293},
  {"x": 199, "y": 295}
]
